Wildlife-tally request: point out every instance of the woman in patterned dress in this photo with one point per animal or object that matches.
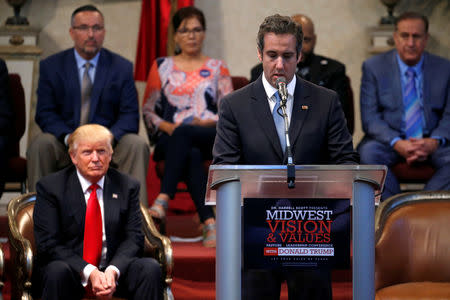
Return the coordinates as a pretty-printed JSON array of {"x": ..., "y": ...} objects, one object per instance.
[{"x": 180, "y": 113}]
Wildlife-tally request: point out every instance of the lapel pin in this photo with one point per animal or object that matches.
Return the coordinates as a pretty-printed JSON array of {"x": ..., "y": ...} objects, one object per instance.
[
  {"x": 304, "y": 107},
  {"x": 114, "y": 196}
]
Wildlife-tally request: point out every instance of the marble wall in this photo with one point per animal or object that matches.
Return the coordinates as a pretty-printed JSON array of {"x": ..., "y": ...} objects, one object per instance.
[{"x": 342, "y": 27}]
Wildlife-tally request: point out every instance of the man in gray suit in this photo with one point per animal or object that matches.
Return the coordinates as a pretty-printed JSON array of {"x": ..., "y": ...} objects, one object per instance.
[
  {"x": 247, "y": 134},
  {"x": 405, "y": 107}
]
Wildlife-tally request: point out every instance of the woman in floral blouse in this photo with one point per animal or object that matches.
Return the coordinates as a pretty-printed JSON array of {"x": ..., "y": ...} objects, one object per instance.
[{"x": 180, "y": 113}]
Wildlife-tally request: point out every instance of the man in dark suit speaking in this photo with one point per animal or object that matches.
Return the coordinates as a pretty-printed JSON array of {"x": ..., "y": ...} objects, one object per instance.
[
  {"x": 247, "y": 134},
  {"x": 319, "y": 69},
  {"x": 81, "y": 85},
  {"x": 87, "y": 227}
]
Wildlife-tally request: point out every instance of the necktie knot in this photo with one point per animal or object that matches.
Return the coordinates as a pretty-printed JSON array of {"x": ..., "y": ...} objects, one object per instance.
[
  {"x": 87, "y": 66},
  {"x": 277, "y": 102},
  {"x": 93, "y": 187},
  {"x": 277, "y": 97},
  {"x": 410, "y": 73}
]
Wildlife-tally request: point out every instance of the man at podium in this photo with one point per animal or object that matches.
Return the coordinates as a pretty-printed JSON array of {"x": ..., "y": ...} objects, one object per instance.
[{"x": 249, "y": 131}]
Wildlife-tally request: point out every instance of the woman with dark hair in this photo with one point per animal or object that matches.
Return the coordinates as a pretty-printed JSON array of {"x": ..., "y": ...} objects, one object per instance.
[{"x": 180, "y": 114}]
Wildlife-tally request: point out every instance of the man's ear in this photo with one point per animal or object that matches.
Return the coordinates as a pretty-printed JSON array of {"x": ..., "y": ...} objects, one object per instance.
[
  {"x": 259, "y": 54},
  {"x": 71, "y": 33},
  {"x": 73, "y": 157}
]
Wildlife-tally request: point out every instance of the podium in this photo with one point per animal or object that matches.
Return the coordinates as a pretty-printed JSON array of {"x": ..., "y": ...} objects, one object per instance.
[{"x": 228, "y": 185}]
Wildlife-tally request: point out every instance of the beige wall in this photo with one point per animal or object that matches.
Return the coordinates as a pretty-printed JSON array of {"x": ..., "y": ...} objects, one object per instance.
[{"x": 341, "y": 25}]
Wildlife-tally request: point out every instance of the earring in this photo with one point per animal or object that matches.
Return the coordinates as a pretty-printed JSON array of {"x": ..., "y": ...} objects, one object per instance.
[{"x": 177, "y": 49}]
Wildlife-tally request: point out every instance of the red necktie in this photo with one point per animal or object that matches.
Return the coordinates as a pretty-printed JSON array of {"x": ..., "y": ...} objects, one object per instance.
[{"x": 92, "y": 246}]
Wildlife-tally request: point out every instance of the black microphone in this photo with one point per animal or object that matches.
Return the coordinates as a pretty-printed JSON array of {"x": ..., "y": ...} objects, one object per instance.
[{"x": 282, "y": 90}]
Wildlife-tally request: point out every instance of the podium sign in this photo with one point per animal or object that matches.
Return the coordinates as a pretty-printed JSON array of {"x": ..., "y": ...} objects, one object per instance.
[
  {"x": 296, "y": 233},
  {"x": 228, "y": 185}
]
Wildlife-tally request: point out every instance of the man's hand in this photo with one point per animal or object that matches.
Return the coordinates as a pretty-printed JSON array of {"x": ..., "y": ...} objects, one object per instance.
[
  {"x": 416, "y": 149},
  {"x": 103, "y": 284},
  {"x": 425, "y": 147},
  {"x": 406, "y": 149}
]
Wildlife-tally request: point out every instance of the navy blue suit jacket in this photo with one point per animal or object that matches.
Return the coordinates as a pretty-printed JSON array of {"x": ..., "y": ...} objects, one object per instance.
[
  {"x": 382, "y": 101},
  {"x": 59, "y": 216},
  {"x": 114, "y": 102},
  {"x": 246, "y": 132}
]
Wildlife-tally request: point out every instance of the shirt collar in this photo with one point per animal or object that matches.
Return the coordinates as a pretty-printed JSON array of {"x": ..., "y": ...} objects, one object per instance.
[
  {"x": 270, "y": 90},
  {"x": 81, "y": 61},
  {"x": 404, "y": 67},
  {"x": 85, "y": 184}
]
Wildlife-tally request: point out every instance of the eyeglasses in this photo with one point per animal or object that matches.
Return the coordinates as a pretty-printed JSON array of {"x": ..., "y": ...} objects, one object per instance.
[
  {"x": 85, "y": 28},
  {"x": 185, "y": 31}
]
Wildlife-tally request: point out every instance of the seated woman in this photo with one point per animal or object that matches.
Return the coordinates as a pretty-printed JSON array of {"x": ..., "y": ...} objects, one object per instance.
[{"x": 180, "y": 113}]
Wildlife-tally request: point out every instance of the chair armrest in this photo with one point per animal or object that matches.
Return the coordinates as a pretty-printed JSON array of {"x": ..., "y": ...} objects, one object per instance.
[
  {"x": 160, "y": 249},
  {"x": 21, "y": 249},
  {"x": 2, "y": 265}
]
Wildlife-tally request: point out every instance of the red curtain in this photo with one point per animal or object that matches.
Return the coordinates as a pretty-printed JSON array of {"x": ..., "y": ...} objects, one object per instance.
[{"x": 152, "y": 40}]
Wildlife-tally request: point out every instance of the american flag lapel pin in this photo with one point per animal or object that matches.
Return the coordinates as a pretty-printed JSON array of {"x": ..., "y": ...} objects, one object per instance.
[
  {"x": 305, "y": 107},
  {"x": 115, "y": 196}
]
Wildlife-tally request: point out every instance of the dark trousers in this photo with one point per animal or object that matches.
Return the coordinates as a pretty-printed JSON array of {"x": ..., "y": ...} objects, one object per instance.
[
  {"x": 142, "y": 280},
  {"x": 266, "y": 284},
  {"x": 184, "y": 153}
]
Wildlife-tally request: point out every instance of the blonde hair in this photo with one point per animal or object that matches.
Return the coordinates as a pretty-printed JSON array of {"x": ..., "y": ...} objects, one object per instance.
[{"x": 90, "y": 133}]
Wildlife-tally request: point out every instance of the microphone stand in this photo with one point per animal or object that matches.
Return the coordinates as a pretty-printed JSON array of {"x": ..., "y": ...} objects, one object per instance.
[{"x": 290, "y": 159}]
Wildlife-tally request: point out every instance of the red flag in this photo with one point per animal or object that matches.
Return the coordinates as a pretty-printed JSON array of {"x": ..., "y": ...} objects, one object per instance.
[{"x": 152, "y": 40}]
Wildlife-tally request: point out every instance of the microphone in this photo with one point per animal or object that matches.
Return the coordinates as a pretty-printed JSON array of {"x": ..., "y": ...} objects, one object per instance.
[{"x": 282, "y": 90}]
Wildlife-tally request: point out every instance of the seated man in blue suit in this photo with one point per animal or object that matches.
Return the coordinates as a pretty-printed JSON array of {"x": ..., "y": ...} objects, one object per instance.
[
  {"x": 88, "y": 230},
  {"x": 405, "y": 106},
  {"x": 87, "y": 84}
]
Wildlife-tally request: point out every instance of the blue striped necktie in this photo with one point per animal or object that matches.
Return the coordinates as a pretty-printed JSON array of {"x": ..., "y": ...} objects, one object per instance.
[
  {"x": 413, "y": 109},
  {"x": 279, "y": 122}
]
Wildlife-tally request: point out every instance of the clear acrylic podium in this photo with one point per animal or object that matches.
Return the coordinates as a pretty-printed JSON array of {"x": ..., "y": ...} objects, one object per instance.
[{"x": 229, "y": 184}]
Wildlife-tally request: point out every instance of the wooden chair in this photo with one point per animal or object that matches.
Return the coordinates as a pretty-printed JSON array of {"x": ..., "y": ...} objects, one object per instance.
[
  {"x": 412, "y": 258},
  {"x": 21, "y": 237},
  {"x": 412, "y": 177},
  {"x": 239, "y": 82}
]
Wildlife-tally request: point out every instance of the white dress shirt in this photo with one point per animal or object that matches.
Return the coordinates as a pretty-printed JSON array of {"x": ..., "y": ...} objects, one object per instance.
[{"x": 270, "y": 92}]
